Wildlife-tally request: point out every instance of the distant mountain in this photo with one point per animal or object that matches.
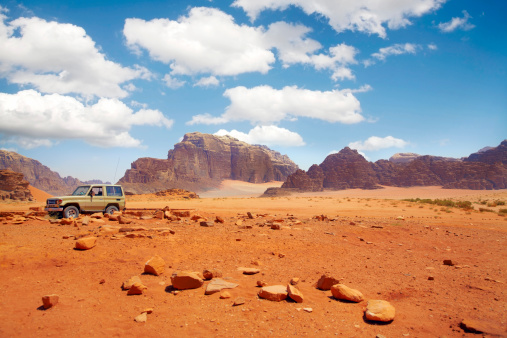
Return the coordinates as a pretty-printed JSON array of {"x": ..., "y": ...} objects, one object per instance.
[
  {"x": 96, "y": 182},
  {"x": 348, "y": 169},
  {"x": 38, "y": 175},
  {"x": 202, "y": 161}
]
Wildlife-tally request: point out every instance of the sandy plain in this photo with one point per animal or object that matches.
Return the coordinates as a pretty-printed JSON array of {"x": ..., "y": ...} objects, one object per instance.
[{"x": 372, "y": 241}]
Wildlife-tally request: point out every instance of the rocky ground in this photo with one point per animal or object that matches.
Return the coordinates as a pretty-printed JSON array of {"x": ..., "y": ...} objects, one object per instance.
[{"x": 442, "y": 269}]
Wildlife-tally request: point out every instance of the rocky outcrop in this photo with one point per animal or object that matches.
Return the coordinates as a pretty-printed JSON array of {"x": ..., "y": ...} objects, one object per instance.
[
  {"x": 14, "y": 187},
  {"x": 403, "y": 157},
  {"x": 38, "y": 175},
  {"x": 348, "y": 170},
  {"x": 202, "y": 161}
]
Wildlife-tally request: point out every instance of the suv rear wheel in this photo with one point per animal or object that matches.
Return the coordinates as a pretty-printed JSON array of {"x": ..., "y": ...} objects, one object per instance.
[
  {"x": 70, "y": 212},
  {"x": 111, "y": 209}
]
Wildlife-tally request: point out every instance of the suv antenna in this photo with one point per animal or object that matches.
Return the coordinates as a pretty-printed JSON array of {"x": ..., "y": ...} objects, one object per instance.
[{"x": 114, "y": 180}]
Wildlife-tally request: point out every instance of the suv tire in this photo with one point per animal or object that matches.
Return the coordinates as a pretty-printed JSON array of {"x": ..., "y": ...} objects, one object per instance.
[
  {"x": 111, "y": 209},
  {"x": 71, "y": 212}
]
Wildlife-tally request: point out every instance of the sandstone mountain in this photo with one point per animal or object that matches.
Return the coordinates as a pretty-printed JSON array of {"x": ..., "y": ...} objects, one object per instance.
[
  {"x": 348, "y": 169},
  {"x": 13, "y": 186},
  {"x": 38, "y": 175},
  {"x": 202, "y": 161}
]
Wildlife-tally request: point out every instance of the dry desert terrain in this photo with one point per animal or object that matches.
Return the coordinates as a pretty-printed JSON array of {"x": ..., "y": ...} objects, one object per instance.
[{"x": 372, "y": 241}]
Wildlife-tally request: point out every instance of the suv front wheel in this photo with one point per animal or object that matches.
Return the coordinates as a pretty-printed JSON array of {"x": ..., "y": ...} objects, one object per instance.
[{"x": 70, "y": 212}]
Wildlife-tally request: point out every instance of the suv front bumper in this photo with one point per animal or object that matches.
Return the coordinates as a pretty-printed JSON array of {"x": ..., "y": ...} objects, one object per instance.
[{"x": 53, "y": 209}]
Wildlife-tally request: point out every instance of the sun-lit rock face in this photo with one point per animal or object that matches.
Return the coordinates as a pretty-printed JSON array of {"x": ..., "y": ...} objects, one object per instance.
[
  {"x": 13, "y": 186},
  {"x": 202, "y": 161}
]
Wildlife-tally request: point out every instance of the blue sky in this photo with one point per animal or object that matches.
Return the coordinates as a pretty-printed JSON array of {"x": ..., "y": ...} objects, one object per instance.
[{"x": 87, "y": 87}]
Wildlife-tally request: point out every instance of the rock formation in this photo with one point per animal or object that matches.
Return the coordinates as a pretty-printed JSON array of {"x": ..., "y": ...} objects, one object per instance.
[
  {"x": 348, "y": 170},
  {"x": 403, "y": 157},
  {"x": 38, "y": 175},
  {"x": 14, "y": 187},
  {"x": 202, "y": 161}
]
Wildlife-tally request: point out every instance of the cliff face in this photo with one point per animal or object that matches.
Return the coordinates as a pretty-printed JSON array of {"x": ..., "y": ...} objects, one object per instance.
[
  {"x": 38, "y": 175},
  {"x": 348, "y": 170},
  {"x": 14, "y": 187},
  {"x": 202, "y": 161}
]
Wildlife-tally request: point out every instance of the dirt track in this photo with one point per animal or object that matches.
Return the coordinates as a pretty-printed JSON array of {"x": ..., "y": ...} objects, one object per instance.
[{"x": 363, "y": 242}]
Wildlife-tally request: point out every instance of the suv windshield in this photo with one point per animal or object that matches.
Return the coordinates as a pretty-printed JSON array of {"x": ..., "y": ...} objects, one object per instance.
[{"x": 81, "y": 190}]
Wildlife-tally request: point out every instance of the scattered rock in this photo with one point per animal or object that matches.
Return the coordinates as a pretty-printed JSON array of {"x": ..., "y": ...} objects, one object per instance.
[
  {"x": 326, "y": 282},
  {"x": 210, "y": 274},
  {"x": 86, "y": 243},
  {"x": 50, "y": 301},
  {"x": 478, "y": 326},
  {"x": 155, "y": 266},
  {"x": 206, "y": 224},
  {"x": 294, "y": 281},
  {"x": 142, "y": 318},
  {"x": 218, "y": 284},
  {"x": 225, "y": 295},
  {"x": 67, "y": 221},
  {"x": 239, "y": 301},
  {"x": 219, "y": 219},
  {"x": 261, "y": 283},
  {"x": 449, "y": 262},
  {"x": 276, "y": 226},
  {"x": 294, "y": 294},
  {"x": 249, "y": 214},
  {"x": 136, "y": 289},
  {"x": 274, "y": 293},
  {"x": 341, "y": 291},
  {"x": 308, "y": 309},
  {"x": 131, "y": 281},
  {"x": 186, "y": 280},
  {"x": 379, "y": 310}
]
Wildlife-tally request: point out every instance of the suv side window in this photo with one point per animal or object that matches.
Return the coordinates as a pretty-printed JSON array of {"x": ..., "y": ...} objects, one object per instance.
[
  {"x": 114, "y": 191},
  {"x": 97, "y": 191}
]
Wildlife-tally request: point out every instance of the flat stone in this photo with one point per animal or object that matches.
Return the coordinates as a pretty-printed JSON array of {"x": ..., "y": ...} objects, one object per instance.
[
  {"x": 86, "y": 243},
  {"x": 186, "y": 280},
  {"x": 239, "y": 301},
  {"x": 379, "y": 310},
  {"x": 249, "y": 271},
  {"x": 50, "y": 301},
  {"x": 478, "y": 326},
  {"x": 155, "y": 266},
  {"x": 217, "y": 284},
  {"x": 274, "y": 293},
  {"x": 294, "y": 294},
  {"x": 225, "y": 295},
  {"x": 326, "y": 282},
  {"x": 341, "y": 291},
  {"x": 207, "y": 224}
]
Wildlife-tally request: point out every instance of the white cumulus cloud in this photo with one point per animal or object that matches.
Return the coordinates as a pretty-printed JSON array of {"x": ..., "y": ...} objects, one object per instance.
[
  {"x": 359, "y": 15},
  {"x": 60, "y": 58},
  {"x": 210, "y": 81},
  {"x": 201, "y": 43},
  {"x": 374, "y": 143},
  {"x": 264, "y": 105},
  {"x": 266, "y": 135},
  {"x": 456, "y": 23},
  {"x": 31, "y": 119}
]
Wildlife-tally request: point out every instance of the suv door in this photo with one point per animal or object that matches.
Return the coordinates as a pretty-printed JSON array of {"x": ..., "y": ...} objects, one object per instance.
[
  {"x": 95, "y": 200},
  {"x": 114, "y": 195}
]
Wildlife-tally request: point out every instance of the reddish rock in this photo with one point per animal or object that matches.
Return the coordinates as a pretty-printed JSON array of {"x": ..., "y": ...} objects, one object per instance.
[
  {"x": 13, "y": 186},
  {"x": 50, "y": 301},
  {"x": 131, "y": 281},
  {"x": 294, "y": 294},
  {"x": 86, "y": 243},
  {"x": 326, "y": 282},
  {"x": 186, "y": 280},
  {"x": 341, "y": 291},
  {"x": 274, "y": 293},
  {"x": 136, "y": 289},
  {"x": 212, "y": 273},
  {"x": 217, "y": 285},
  {"x": 379, "y": 310},
  {"x": 155, "y": 266}
]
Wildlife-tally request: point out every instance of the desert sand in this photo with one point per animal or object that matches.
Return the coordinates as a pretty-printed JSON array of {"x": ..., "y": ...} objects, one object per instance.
[{"x": 372, "y": 241}]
